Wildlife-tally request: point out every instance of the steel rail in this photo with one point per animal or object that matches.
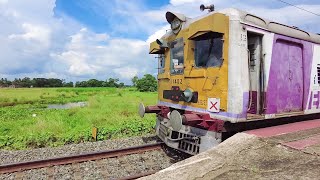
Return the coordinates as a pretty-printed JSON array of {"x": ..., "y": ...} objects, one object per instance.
[{"x": 21, "y": 166}]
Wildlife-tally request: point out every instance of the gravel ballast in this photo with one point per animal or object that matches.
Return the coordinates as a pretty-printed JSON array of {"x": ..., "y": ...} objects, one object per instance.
[{"x": 7, "y": 157}]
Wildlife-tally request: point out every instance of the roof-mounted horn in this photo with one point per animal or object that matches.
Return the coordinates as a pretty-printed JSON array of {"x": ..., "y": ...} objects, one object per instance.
[{"x": 210, "y": 7}]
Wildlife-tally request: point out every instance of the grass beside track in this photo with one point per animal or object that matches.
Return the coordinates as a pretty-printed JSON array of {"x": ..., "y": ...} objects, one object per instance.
[{"x": 25, "y": 121}]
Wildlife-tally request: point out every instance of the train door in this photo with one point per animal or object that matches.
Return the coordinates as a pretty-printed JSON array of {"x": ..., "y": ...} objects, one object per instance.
[
  {"x": 289, "y": 89},
  {"x": 256, "y": 74}
]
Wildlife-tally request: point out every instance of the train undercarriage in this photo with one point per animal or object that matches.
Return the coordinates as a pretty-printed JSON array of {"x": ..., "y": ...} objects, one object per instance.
[
  {"x": 188, "y": 139},
  {"x": 193, "y": 133}
]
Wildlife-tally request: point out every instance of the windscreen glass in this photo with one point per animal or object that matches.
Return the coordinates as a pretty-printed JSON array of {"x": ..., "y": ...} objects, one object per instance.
[
  {"x": 208, "y": 50},
  {"x": 177, "y": 59}
]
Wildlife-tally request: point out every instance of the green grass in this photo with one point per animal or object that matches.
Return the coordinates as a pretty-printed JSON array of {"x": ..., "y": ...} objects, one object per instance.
[{"x": 113, "y": 111}]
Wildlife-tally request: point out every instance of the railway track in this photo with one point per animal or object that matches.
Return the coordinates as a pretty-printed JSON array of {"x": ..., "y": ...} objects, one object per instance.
[{"x": 28, "y": 165}]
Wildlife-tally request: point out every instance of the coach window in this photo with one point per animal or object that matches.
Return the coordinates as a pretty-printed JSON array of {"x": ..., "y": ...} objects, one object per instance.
[
  {"x": 176, "y": 54},
  {"x": 208, "y": 50}
]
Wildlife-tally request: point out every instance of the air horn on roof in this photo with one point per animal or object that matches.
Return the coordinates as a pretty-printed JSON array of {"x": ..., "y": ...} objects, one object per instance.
[{"x": 210, "y": 7}]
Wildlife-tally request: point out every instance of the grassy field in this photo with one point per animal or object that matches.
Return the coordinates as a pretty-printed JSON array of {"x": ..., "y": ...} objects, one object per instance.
[{"x": 26, "y": 122}]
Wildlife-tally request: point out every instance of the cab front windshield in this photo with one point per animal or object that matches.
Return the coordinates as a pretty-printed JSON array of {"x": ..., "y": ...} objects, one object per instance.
[
  {"x": 208, "y": 50},
  {"x": 176, "y": 56}
]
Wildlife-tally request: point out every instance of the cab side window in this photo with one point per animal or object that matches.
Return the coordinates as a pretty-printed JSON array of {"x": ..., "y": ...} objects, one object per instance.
[
  {"x": 208, "y": 50},
  {"x": 161, "y": 60}
]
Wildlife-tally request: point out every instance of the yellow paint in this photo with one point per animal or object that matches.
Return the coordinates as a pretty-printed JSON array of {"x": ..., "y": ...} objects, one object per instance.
[
  {"x": 208, "y": 82},
  {"x": 155, "y": 48},
  {"x": 165, "y": 75},
  {"x": 94, "y": 133},
  {"x": 215, "y": 23}
]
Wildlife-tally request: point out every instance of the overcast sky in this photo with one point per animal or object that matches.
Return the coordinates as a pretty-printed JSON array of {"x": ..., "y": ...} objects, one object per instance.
[{"x": 81, "y": 39}]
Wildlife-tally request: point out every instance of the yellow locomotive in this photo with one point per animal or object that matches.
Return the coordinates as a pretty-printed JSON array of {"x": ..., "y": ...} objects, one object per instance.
[{"x": 230, "y": 66}]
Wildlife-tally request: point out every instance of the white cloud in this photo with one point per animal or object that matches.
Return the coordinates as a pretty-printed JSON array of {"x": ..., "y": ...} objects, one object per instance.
[
  {"x": 89, "y": 53},
  {"x": 158, "y": 34},
  {"x": 292, "y": 16},
  {"x": 34, "y": 42},
  {"x": 181, "y": 2},
  {"x": 126, "y": 72},
  {"x": 29, "y": 33},
  {"x": 32, "y": 32},
  {"x": 3, "y": 1},
  {"x": 77, "y": 62},
  {"x": 60, "y": 46}
]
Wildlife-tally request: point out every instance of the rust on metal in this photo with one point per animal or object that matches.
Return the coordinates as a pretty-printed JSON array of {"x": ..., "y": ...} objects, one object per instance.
[
  {"x": 14, "y": 167},
  {"x": 152, "y": 109}
]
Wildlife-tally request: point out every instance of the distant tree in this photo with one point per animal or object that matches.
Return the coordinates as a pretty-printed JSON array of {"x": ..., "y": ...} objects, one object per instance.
[
  {"x": 68, "y": 84},
  {"x": 94, "y": 83},
  {"x": 40, "y": 82},
  {"x": 81, "y": 84},
  {"x": 134, "y": 80},
  {"x": 43, "y": 82},
  {"x": 121, "y": 85},
  {"x": 5, "y": 82},
  {"x": 78, "y": 84},
  {"x": 111, "y": 82},
  {"x": 52, "y": 82},
  {"x": 26, "y": 82},
  {"x": 17, "y": 82},
  {"x": 147, "y": 83}
]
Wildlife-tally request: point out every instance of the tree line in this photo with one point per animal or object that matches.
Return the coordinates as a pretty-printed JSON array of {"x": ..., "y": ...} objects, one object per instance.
[
  {"x": 35, "y": 82},
  {"x": 146, "y": 83},
  {"x": 111, "y": 82},
  {"x": 55, "y": 82}
]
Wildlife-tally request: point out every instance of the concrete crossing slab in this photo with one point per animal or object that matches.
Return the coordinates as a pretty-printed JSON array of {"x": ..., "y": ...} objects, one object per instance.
[
  {"x": 285, "y": 129},
  {"x": 303, "y": 143},
  {"x": 290, "y": 151},
  {"x": 299, "y": 135}
]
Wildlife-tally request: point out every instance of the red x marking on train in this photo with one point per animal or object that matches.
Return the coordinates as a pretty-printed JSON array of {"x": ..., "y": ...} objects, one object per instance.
[{"x": 213, "y": 105}]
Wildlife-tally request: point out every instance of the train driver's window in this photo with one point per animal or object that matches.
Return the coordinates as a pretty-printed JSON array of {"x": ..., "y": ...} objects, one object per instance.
[
  {"x": 177, "y": 58},
  {"x": 208, "y": 50},
  {"x": 161, "y": 63}
]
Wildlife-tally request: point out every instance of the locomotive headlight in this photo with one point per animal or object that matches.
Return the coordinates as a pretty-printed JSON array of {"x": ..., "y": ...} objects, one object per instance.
[
  {"x": 187, "y": 94},
  {"x": 175, "y": 20},
  {"x": 176, "y": 25}
]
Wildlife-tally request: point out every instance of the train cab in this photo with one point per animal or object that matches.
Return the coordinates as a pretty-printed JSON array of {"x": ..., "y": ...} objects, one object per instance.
[{"x": 229, "y": 66}]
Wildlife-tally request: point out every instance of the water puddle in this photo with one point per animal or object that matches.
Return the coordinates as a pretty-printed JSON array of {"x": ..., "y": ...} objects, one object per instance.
[{"x": 67, "y": 106}]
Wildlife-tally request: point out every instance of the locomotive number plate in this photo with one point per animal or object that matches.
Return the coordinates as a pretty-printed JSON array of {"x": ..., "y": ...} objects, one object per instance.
[{"x": 176, "y": 81}]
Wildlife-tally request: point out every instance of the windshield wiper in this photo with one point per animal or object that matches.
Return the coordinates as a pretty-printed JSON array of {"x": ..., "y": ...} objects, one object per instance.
[{"x": 210, "y": 47}]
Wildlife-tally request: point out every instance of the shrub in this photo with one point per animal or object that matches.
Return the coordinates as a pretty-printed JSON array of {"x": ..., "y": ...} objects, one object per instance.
[{"x": 147, "y": 83}]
